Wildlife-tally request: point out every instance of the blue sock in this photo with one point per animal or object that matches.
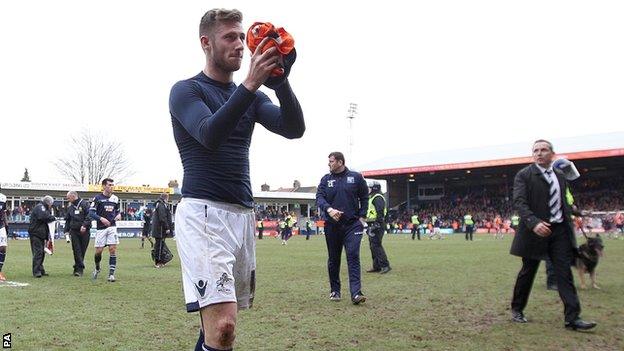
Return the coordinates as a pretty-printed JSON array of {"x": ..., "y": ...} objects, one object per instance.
[
  {"x": 112, "y": 264},
  {"x": 208, "y": 348},
  {"x": 98, "y": 258},
  {"x": 200, "y": 341},
  {"x": 2, "y": 257}
]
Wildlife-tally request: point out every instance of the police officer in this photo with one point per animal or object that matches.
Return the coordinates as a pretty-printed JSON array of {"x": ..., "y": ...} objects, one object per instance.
[
  {"x": 39, "y": 232},
  {"x": 308, "y": 225},
  {"x": 161, "y": 227},
  {"x": 260, "y": 226},
  {"x": 78, "y": 225},
  {"x": 469, "y": 224},
  {"x": 342, "y": 196},
  {"x": 375, "y": 217},
  {"x": 282, "y": 230},
  {"x": 570, "y": 173},
  {"x": 415, "y": 226}
]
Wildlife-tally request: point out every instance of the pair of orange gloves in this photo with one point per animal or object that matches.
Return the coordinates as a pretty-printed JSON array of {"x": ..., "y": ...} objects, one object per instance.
[{"x": 281, "y": 40}]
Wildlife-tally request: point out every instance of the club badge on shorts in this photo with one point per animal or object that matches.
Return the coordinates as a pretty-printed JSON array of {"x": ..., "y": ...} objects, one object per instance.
[{"x": 222, "y": 281}]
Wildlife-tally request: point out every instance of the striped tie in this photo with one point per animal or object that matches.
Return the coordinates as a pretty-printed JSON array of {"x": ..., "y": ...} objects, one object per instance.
[{"x": 554, "y": 201}]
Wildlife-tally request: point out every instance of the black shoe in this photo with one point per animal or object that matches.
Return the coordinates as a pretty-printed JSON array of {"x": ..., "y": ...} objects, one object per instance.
[
  {"x": 44, "y": 274},
  {"x": 385, "y": 270},
  {"x": 76, "y": 274},
  {"x": 579, "y": 324},
  {"x": 518, "y": 317},
  {"x": 37, "y": 275},
  {"x": 552, "y": 287},
  {"x": 334, "y": 296},
  {"x": 373, "y": 270},
  {"x": 358, "y": 299}
]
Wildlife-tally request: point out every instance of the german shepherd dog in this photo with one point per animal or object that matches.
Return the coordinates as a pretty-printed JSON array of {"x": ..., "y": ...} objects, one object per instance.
[{"x": 586, "y": 262}]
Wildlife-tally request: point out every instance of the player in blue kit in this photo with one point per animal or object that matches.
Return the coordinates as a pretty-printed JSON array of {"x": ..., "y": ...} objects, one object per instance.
[
  {"x": 213, "y": 120},
  {"x": 105, "y": 211}
]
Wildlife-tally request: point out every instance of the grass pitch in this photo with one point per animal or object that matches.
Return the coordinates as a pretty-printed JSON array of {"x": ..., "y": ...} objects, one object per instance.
[{"x": 441, "y": 295}]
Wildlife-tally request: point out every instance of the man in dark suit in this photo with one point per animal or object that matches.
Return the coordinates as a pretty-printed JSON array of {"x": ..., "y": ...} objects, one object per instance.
[{"x": 545, "y": 230}]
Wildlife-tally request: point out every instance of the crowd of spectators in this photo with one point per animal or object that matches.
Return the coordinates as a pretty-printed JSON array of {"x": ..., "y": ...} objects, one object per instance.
[
  {"x": 487, "y": 203},
  {"x": 484, "y": 203}
]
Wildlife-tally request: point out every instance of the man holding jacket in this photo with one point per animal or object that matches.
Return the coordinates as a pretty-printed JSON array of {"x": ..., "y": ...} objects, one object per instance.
[
  {"x": 78, "y": 225},
  {"x": 161, "y": 227},
  {"x": 39, "y": 232},
  {"x": 545, "y": 231}
]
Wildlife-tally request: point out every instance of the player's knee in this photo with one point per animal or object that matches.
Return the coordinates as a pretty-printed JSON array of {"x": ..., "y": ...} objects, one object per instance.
[{"x": 225, "y": 329}]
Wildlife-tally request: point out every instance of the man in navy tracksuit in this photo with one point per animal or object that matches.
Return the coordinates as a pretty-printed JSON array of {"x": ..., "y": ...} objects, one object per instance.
[{"x": 342, "y": 195}]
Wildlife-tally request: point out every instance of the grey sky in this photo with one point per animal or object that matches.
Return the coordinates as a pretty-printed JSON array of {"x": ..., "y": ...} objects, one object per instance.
[{"x": 429, "y": 76}]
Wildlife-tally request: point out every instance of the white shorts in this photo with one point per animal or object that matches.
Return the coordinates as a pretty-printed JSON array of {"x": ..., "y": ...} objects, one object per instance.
[
  {"x": 107, "y": 236},
  {"x": 3, "y": 236},
  {"x": 217, "y": 249}
]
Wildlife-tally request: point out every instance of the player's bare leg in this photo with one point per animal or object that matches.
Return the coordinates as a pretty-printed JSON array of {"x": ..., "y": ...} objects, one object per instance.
[{"x": 218, "y": 324}]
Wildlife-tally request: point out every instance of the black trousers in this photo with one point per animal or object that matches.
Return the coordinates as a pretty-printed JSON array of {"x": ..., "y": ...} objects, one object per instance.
[
  {"x": 380, "y": 260},
  {"x": 469, "y": 231},
  {"x": 551, "y": 279},
  {"x": 561, "y": 253},
  {"x": 80, "y": 243},
  {"x": 415, "y": 231},
  {"x": 36, "y": 247},
  {"x": 158, "y": 249},
  {"x": 260, "y": 233}
]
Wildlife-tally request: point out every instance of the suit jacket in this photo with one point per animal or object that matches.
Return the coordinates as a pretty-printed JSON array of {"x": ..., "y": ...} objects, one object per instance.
[{"x": 531, "y": 195}]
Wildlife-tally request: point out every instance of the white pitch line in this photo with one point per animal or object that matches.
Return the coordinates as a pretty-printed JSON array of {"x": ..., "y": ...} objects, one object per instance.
[{"x": 10, "y": 284}]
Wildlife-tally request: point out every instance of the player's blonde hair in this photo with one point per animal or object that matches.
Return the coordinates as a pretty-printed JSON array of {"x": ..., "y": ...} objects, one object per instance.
[{"x": 214, "y": 16}]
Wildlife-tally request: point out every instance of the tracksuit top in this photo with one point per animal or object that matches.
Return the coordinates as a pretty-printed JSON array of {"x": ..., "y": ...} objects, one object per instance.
[{"x": 346, "y": 191}]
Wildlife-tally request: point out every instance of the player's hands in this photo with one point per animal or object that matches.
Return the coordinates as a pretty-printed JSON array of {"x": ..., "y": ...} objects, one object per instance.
[
  {"x": 542, "y": 229},
  {"x": 83, "y": 229},
  {"x": 334, "y": 213},
  {"x": 167, "y": 231},
  {"x": 105, "y": 221},
  {"x": 262, "y": 63}
]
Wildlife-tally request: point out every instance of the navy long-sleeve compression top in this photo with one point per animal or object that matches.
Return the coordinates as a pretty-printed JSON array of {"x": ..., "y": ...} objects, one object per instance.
[{"x": 212, "y": 126}]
